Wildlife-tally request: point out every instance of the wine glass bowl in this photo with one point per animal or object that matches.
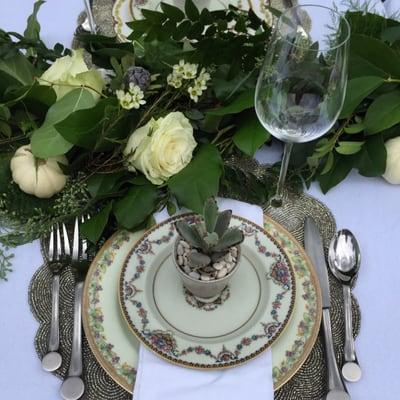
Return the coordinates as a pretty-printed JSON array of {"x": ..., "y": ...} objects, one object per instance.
[{"x": 302, "y": 83}]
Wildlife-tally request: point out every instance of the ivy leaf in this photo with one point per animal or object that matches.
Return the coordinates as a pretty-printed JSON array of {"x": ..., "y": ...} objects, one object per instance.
[
  {"x": 244, "y": 101},
  {"x": 342, "y": 165},
  {"x": 250, "y": 135},
  {"x": 191, "y": 10},
  {"x": 32, "y": 30},
  {"x": 391, "y": 34},
  {"x": 173, "y": 13},
  {"x": 136, "y": 206},
  {"x": 376, "y": 52},
  {"x": 354, "y": 128},
  {"x": 372, "y": 159},
  {"x": 199, "y": 180},
  {"x": 47, "y": 141},
  {"x": 383, "y": 113},
  {"x": 82, "y": 127},
  {"x": 357, "y": 90},
  {"x": 94, "y": 227},
  {"x": 104, "y": 184},
  {"x": 328, "y": 164},
  {"x": 154, "y": 17},
  {"x": 19, "y": 68}
]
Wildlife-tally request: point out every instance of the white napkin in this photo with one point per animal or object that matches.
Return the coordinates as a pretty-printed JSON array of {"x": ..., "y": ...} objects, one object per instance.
[{"x": 159, "y": 380}]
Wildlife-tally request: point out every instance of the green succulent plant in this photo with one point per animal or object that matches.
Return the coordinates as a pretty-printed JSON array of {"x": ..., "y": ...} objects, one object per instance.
[{"x": 211, "y": 237}]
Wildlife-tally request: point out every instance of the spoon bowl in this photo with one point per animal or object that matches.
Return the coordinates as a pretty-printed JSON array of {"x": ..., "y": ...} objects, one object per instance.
[{"x": 344, "y": 256}]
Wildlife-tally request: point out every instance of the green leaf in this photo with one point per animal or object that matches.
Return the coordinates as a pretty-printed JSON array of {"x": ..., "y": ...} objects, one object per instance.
[
  {"x": 357, "y": 90},
  {"x": 82, "y": 127},
  {"x": 391, "y": 34},
  {"x": 244, "y": 101},
  {"x": 210, "y": 214},
  {"x": 199, "y": 180},
  {"x": 94, "y": 227},
  {"x": 348, "y": 147},
  {"x": 47, "y": 141},
  {"x": 328, "y": 164},
  {"x": 372, "y": 158},
  {"x": 5, "y": 173},
  {"x": 171, "y": 208},
  {"x": 172, "y": 12},
  {"x": 155, "y": 17},
  {"x": 32, "y": 30},
  {"x": 250, "y": 134},
  {"x": 342, "y": 166},
  {"x": 376, "y": 52},
  {"x": 104, "y": 184},
  {"x": 136, "y": 206},
  {"x": 191, "y": 10},
  {"x": 19, "y": 68},
  {"x": 354, "y": 128},
  {"x": 383, "y": 113}
]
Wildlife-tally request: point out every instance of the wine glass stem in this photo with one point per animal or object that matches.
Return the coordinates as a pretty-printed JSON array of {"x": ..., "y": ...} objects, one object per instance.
[{"x": 277, "y": 199}]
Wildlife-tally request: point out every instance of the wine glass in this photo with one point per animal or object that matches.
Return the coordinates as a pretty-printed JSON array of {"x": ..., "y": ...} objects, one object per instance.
[{"x": 302, "y": 83}]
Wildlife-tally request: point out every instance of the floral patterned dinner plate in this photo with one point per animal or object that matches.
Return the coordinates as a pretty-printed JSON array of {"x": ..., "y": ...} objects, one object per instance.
[
  {"x": 253, "y": 313},
  {"x": 116, "y": 349}
]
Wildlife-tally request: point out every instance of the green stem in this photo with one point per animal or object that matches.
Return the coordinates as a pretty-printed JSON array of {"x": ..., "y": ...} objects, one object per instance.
[{"x": 222, "y": 132}]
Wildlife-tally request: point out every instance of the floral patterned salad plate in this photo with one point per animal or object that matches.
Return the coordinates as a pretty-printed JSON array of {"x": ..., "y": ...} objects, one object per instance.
[
  {"x": 125, "y": 11},
  {"x": 116, "y": 349},
  {"x": 157, "y": 310}
]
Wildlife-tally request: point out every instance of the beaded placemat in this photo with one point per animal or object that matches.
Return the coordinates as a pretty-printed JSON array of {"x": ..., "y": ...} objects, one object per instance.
[{"x": 309, "y": 383}]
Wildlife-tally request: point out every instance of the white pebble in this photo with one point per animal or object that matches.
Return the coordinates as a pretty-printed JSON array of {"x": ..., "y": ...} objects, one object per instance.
[
  {"x": 218, "y": 266},
  {"x": 222, "y": 273},
  {"x": 184, "y": 244},
  {"x": 234, "y": 251},
  {"x": 180, "y": 260},
  {"x": 230, "y": 266},
  {"x": 179, "y": 250},
  {"x": 187, "y": 269},
  {"x": 228, "y": 258},
  {"x": 205, "y": 278},
  {"x": 194, "y": 275}
]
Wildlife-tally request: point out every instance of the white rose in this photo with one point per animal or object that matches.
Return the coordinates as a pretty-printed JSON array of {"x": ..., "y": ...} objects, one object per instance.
[
  {"x": 69, "y": 72},
  {"x": 392, "y": 173},
  {"x": 161, "y": 148}
]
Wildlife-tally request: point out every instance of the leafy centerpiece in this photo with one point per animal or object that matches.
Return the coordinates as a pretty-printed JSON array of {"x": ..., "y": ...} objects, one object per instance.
[
  {"x": 207, "y": 252},
  {"x": 153, "y": 122}
]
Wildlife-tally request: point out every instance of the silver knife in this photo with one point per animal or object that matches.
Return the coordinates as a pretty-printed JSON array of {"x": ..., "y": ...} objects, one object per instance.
[{"x": 315, "y": 250}]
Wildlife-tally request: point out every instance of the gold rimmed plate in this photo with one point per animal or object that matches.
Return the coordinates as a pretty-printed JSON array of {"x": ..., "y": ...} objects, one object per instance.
[
  {"x": 156, "y": 308},
  {"x": 116, "y": 348}
]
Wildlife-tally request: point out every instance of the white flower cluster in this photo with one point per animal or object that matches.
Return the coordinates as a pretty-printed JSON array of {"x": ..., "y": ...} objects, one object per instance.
[
  {"x": 131, "y": 99},
  {"x": 186, "y": 71}
]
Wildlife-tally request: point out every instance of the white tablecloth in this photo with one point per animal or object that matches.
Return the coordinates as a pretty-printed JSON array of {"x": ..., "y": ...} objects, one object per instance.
[{"x": 369, "y": 207}]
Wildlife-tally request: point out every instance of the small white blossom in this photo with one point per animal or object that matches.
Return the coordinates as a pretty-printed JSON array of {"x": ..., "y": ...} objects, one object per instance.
[
  {"x": 194, "y": 93},
  {"x": 131, "y": 99},
  {"x": 190, "y": 71},
  {"x": 174, "y": 80},
  {"x": 125, "y": 100},
  {"x": 179, "y": 68},
  {"x": 268, "y": 17}
]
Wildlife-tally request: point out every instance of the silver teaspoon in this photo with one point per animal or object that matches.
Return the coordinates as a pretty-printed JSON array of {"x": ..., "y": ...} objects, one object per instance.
[{"x": 344, "y": 262}]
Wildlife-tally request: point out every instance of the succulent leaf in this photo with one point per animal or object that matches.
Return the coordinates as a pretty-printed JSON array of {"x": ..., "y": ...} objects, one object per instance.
[
  {"x": 210, "y": 214},
  {"x": 223, "y": 221},
  {"x": 199, "y": 259},
  {"x": 231, "y": 238},
  {"x": 189, "y": 233},
  {"x": 211, "y": 239}
]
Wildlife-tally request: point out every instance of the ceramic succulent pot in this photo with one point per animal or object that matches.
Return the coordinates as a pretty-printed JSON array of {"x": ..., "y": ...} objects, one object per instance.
[{"x": 205, "y": 291}]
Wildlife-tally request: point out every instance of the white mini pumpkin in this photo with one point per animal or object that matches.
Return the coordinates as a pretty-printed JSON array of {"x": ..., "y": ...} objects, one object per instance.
[
  {"x": 392, "y": 173},
  {"x": 42, "y": 178}
]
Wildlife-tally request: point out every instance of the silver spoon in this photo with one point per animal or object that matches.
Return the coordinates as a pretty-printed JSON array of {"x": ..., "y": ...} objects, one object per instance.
[{"x": 344, "y": 262}]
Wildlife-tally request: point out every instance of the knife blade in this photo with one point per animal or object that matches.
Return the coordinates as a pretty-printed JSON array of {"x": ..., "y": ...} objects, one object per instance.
[{"x": 315, "y": 250}]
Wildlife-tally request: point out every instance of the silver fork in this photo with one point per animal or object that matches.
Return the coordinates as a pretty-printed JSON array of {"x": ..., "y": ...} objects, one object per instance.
[
  {"x": 73, "y": 387},
  {"x": 58, "y": 251}
]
